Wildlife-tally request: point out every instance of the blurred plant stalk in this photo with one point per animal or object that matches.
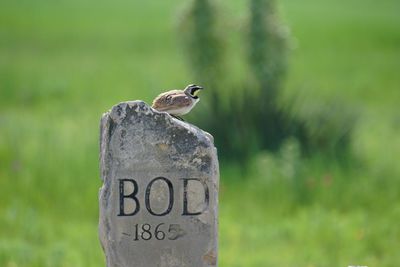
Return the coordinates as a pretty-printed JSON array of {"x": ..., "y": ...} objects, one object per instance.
[{"x": 249, "y": 116}]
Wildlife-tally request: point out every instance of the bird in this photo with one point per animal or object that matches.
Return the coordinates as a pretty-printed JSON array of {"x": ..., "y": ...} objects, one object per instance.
[{"x": 178, "y": 102}]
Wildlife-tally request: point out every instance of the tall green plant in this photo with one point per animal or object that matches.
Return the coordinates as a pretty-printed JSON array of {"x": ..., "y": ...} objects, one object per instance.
[
  {"x": 204, "y": 49},
  {"x": 267, "y": 48},
  {"x": 238, "y": 126},
  {"x": 253, "y": 118},
  {"x": 203, "y": 45}
]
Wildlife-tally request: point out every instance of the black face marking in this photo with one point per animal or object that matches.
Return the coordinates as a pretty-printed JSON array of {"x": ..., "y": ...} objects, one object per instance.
[{"x": 193, "y": 90}]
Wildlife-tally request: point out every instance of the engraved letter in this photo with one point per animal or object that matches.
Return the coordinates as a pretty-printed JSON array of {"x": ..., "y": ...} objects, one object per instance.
[
  {"x": 132, "y": 196},
  {"x": 185, "y": 196},
  {"x": 171, "y": 196}
]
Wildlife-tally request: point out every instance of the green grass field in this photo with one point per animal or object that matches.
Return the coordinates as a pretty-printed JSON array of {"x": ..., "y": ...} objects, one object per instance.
[{"x": 64, "y": 63}]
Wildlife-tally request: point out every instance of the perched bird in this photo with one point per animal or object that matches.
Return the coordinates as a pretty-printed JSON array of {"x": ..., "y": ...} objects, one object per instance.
[{"x": 178, "y": 102}]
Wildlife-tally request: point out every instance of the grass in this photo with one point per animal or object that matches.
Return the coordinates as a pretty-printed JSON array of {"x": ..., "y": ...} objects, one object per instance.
[{"x": 64, "y": 63}]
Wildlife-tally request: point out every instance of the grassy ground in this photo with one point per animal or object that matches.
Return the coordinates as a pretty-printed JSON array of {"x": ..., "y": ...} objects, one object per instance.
[{"x": 63, "y": 63}]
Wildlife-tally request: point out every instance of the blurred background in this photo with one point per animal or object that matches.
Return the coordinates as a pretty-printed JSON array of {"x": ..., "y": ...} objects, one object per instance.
[{"x": 302, "y": 99}]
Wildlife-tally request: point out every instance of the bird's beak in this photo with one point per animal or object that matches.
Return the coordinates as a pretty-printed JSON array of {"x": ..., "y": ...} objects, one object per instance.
[{"x": 197, "y": 90}]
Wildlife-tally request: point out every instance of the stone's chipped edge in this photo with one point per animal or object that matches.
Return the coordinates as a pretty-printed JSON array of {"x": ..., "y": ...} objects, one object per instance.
[
  {"x": 210, "y": 258},
  {"x": 104, "y": 227},
  {"x": 136, "y": 104}
]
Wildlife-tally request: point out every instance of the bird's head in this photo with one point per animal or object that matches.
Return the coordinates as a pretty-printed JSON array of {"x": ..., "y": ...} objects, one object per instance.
[{"x": 193, "y": 90}]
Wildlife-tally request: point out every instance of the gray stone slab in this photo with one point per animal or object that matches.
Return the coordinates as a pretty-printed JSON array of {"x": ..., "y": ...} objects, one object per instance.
[{"x": 159, "y": 198}]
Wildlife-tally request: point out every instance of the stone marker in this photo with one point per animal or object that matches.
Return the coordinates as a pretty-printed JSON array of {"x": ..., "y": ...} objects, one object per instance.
[{"x": 159, "y": 199}]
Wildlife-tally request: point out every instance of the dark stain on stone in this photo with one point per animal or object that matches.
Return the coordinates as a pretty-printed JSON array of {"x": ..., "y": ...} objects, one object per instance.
[
  {"x": 184, "y": 142},
  {"x": 111, "y": 128},
  {"x": 123, "y": 133},
  {"x": 205, "y": 163},
  {"x": 119, "y": 110}
]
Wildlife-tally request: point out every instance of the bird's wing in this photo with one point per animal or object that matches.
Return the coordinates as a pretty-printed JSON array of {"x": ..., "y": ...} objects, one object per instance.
[{"x": 171, "y": 99}]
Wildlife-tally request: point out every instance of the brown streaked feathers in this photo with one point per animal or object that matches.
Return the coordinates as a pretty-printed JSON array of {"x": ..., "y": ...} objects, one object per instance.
[
  {"x": 174, "y": 98},
  {"x": 178, "y": 102}
]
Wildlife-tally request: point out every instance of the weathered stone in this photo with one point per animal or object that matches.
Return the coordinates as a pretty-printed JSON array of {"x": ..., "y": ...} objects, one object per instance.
[{"x": 159, "y": 199}]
